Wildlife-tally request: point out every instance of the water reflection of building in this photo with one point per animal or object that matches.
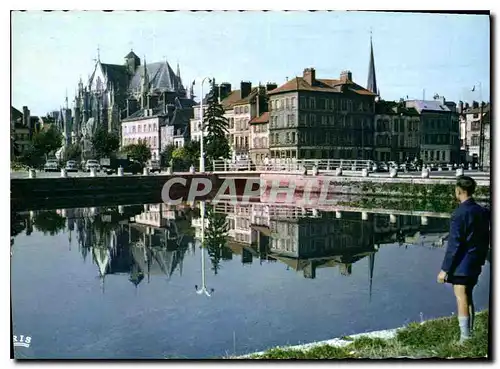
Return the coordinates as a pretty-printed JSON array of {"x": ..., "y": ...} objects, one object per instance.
[
  {"x": 138, "y": 241},
  {"x": 308, "y": 239}
]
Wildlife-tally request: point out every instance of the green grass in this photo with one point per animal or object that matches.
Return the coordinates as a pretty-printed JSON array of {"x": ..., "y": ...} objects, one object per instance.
[{"x": 433, "y": 339}]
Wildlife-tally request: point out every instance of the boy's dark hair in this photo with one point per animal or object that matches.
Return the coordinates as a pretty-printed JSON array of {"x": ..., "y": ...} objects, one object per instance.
[{"x": 467, "y": 184}]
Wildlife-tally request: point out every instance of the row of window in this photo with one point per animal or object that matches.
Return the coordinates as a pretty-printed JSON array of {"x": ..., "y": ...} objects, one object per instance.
[
  {"x": 397, "y": 125},
  {"x": 436, "y": 155},
  {"x": 139, "y": 128},
  {"x": 151, "y": 141},
  {"x": 320, "y": 138},
  {"x": 260, "y": 128},
  {"x": 442, "y": 124},
  {"x": 353, "y": 153},
  {"x": 335, "y": 104},
  {"x": 409, "y": 140},
  {"x": 241, "y": 109},
  {"x": 338, "y": 121},
  {"x": 21, "y": 136},
  {"x": 260, "y": 143},
  {"x": 285, "y": 103}
]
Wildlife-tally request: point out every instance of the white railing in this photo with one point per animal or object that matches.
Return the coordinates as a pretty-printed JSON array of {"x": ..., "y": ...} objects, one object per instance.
[{"x": 291, "y": 164}]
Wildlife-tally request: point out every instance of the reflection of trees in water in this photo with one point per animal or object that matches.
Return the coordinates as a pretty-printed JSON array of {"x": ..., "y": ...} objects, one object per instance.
[
  {"x": 215, "y": 235},
  {"x": 49, "y": 222},
  {"x": 17, "y": 223}
]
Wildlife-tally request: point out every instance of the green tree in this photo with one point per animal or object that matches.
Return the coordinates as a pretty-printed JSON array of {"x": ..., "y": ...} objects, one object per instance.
[
  {"x": 73, "y": 152},
  {"x": 166, "y": 155},
  {"x": 193, "y": 152},
  {"x": 139, "y": 151},
  {"x": 49, "y": 222},
  {"x": 105, "y": 143},
  {"x": 47, "y": 141},
  {"x": 216, "y": 143},
  {"x": 32, "y": 157}
]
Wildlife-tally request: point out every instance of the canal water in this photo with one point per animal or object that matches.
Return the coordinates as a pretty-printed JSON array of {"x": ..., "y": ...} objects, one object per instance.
[{"x": 127, "y": 282}]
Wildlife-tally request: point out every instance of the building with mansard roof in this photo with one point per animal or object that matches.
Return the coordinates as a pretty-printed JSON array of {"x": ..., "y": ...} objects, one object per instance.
[{"x": 132, "y": 90}]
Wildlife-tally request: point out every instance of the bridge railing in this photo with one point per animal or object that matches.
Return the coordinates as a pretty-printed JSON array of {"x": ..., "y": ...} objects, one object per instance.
[{"x": 290, "y": 165}]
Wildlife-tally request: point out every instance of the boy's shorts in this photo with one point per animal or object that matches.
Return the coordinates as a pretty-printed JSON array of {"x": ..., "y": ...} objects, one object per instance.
[{"x": 470, "y": 280}]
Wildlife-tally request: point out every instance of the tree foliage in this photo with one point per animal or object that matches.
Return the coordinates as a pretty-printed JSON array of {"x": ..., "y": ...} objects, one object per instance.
[
  {"x": 47, "y": 141},
  {"x": 139, "y": 151},
  {"x": 105, "y": 143},
  {"x": 216, "y": 145},
  {"x": 49, "y": 222},
  {"x": 166, "y": 155}
]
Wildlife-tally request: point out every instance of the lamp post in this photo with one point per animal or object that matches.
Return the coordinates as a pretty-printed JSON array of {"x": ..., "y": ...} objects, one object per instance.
[
  {"x": 202, "y": 151},
  {"x": 203, "y": 289}
]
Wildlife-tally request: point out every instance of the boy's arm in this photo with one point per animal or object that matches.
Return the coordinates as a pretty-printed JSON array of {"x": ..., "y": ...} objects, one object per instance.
[{"x": 454, "y": 242}]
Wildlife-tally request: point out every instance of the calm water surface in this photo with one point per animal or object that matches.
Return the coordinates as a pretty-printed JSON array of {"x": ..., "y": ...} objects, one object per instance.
[{"x": 121, "y": 282}]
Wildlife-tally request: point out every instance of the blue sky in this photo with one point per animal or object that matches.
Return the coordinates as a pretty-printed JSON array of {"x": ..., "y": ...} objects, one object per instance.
[{"x": 444, "y": 54}]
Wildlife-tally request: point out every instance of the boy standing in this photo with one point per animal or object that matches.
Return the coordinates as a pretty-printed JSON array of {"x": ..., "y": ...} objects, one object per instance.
[{"x": 468, "y": 243}]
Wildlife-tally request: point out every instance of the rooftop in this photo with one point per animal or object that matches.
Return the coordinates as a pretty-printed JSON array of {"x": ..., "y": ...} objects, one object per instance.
[
  {"x": 263, "y": 118},
  {"x": 321, "y": 85}
]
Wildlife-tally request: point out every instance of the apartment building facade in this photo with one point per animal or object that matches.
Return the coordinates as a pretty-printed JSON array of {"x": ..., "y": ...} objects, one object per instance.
[
  {"x": 470, "y": 132},
  {"x": 439, "y": 130},
  {"x": 397, "y": 132},
  {"x": 259, "y": 139},
  {"x": 311, "y": 118}
]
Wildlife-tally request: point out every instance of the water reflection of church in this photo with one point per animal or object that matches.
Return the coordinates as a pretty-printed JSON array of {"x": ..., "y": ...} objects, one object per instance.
[{"x": 138, "y": 241}]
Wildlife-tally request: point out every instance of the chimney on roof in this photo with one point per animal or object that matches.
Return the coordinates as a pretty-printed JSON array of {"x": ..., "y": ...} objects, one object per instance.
[
  {"x": 224, "y": 90},
  {"x": 245, "y": 89},
  {"x": 271, "y": 86},
  {"x": 345, "y": 76},
  {"x": 460, "y": 107},
  {"x": 466, "y": 106},
  {"x": 475, "y": 105},
  {"x": 27, "y": 121},
  {"x": 309, "y": 75}
]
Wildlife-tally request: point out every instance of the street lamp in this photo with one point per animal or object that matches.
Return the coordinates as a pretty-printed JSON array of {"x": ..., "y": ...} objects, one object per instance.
[
  {"x": 203, "y": 289},
  {"x": 202, "y": 151}
]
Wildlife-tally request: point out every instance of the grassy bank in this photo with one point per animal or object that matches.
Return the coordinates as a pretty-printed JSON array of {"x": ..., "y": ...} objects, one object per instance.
[{"x": 432, "y": 339}]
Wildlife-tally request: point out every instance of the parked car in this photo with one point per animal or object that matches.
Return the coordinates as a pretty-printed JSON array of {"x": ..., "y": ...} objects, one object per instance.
[
  {"x": 382, "y": 167},
  {"x": 71, "y": 166},
  {"x": 129, "y": 166},
  {"x": 91, "y": 163},
  {"x": 52, "y": 165},
  {"x": 154, "y": 166}
]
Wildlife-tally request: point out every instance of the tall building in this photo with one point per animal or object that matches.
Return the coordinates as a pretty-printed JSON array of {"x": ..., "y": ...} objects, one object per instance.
[
  {"x": 470, "y": 132},
  {"x": 397, "y": 131},
  {"x": 439, "y": 130},
  {"x": 312, "y": 118}
]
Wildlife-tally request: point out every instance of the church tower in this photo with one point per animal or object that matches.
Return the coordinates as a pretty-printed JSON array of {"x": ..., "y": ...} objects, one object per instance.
[
  {"x": 132, "y": 62},
  {"x": 372, "y": 79}
]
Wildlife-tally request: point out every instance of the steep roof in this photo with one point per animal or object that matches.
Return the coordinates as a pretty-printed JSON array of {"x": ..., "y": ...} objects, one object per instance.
[
  {"x": 161, "y": 78},
  {"x": 322, "y": 85},
  {"x": 428, "y": 105},
  {"x": 234, "y": 98},
  {"x": 393, "y": 107},
  {"x": 263, "y": 118},
  {"x": 116, "y": 74},
  {"x": 15, "y": 115}
]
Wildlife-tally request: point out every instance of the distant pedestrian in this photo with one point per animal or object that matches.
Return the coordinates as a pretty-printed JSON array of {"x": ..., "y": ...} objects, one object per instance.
[
  {"x": 266, "y": 162},
  {"x": 468, "y": 244}
]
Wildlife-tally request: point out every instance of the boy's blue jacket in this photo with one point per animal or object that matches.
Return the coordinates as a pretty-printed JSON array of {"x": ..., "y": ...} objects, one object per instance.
[{"x": 468, "y": 241}]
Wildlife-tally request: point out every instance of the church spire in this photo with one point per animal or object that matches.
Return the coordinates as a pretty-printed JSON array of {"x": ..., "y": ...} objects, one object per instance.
[
  {"x": 145, "y": 86},
  {"x": 179, "y": 79},
  {"x": 372, "y": 79},
  {"x": 371, "y": 264}
]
